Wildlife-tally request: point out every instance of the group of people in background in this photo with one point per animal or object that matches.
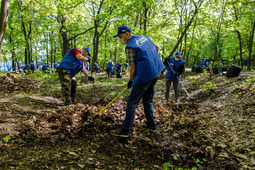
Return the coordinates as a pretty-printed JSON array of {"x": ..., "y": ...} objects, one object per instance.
[
  {"x": 45, "y": 67},
  {"x": 145, "y": 66},
  {"x": 112, "y": 69},
  {"x": 96, "y": 67}
]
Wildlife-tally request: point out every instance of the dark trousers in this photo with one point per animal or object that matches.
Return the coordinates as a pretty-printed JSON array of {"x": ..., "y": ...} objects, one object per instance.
[
  {"x": 109, "y": 72},
  {"x": 176, "y": 89},
  {"x": 146, "y": 92},
  {"x": 68, "y": 86}
]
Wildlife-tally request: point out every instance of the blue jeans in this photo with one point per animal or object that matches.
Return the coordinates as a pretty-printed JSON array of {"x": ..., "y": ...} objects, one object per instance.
[{"x": 146, "y": 92}]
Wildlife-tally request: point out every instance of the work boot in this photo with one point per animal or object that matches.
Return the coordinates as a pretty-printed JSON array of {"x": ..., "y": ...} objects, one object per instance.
[{"x": 119, "y": 133}]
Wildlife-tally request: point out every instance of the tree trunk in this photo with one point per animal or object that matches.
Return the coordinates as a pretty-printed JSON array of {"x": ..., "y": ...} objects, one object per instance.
[
  {"x": 63, "y": 32},
  {"x": 240, "y": 47},
  {"x": 105, "y": 51},
  {"x": 250, "y": 46},
  {"x": 13, "y": 54},
  {"x": 145, "y": 17},
  {"x": 26, "y": 34},
  {"x": 65, "y": 47},
  {"x": 234, "y": 57},
  {"x": 47, "y": 51},
  {"x": 216, "y": 54},
  {"x": 3, "y": 20},
  {"x": 95, "y": 43},
  {"x": 239, "y": 37},
  {"x": 187, "y": 56},
  {"x": 115, "y": 50},
  {"x": 253, "y": 61}
]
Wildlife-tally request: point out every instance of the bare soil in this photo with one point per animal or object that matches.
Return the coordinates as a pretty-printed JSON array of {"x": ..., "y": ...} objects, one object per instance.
[{"x": 212, "y": 129}]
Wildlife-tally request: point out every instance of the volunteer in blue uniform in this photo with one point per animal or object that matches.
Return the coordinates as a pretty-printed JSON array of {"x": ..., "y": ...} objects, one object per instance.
[
  {"x": 118, "y": 67},
  {"x": 46, "y": 67},
  {"x": 32, "y": 66},
  {"x": 26, "y": 67},
  {"x": 126, "y": 66},
  {"x": 71, "y": 64},
  {"x": 145, "y": 65},
  {"x": 109, "y": 69},
  {"x": 177, "y": 65},
  {"x": 97, "y": 68}
]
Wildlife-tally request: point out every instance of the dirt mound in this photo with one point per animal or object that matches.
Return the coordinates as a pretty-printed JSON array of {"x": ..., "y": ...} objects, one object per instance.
[{"x": 9, "y": 84}]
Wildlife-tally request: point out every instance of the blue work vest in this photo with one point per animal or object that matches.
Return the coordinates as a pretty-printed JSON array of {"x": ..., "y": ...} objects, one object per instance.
[
  {"x": 32, "y": 65},
  {"x": 148, "y": 62},
  {"x": 110, "y": 65},
  {"x": 176, "y": 66},
  {"x": 118, "y": 66},
  {"x": 71, "y": 63}
]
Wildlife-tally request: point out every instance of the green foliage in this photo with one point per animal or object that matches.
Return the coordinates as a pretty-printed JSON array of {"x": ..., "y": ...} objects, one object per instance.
[
  {"x": 46, "y": 21},
  {"x": 250, "y": 79},
  {"x": 166, "y": 166},
  {"x": 160, "y": 157},
  {"x": 46, "y": 77},
  {"x": 6, "y": 138},
  {"x": 250, "y": 151},
  {"x": 197, "y": 161},
  {"x": 209, "y": 86}
]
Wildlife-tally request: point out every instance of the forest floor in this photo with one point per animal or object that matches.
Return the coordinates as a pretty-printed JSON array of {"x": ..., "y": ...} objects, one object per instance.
[{"x": 212, "y": 129}]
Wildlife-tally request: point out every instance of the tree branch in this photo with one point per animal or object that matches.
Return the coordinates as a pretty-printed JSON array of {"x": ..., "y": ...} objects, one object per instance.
[{"x": 80, "y": 34}]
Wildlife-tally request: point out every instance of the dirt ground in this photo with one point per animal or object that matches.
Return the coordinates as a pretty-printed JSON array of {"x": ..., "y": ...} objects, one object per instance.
[{"x": 212, "y": 129}]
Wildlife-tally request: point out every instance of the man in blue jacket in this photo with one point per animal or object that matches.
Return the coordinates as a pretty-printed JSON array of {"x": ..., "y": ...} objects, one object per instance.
[
  {"x": 71, "y": 64},
  {"x": 46, "y": 67},
  {"x": 118, "y": 67},
  {"x": 32, "y": 66},
  {"x": 97, "y": 68},
  {"x": 109, "y": 69},
  {"x": 145, "y": 66},
  {"x": 175, "y": 67}
]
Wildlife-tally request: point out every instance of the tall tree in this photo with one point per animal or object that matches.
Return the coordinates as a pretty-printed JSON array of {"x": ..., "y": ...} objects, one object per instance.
[
  {"x": 239, "y": 34},
  {"x": 187, "y": 27},
  {"x": 220, "y": 20},
  {"x": 99, "y": 19},
  {"x": 3, "y": 20}
]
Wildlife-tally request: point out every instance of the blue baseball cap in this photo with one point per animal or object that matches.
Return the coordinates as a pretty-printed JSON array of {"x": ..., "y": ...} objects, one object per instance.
[
  {"x": 122, "y": 29},
  {"x": 87, "y": 49},
  {"x": 179, "y": 54}
]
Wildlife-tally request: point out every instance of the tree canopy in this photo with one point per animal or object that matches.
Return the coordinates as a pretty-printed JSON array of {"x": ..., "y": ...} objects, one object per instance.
[{"x": 46, "y": 30}]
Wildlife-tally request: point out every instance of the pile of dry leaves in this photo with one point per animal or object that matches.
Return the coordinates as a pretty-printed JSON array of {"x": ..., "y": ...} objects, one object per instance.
[{"x": 9, "y": 84}]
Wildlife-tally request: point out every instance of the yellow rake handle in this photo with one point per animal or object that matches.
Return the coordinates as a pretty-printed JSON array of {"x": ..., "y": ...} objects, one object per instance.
[{"x": 112, "y": 101}]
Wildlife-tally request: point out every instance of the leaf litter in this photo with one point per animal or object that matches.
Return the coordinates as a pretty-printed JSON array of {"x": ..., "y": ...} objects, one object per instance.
[{"x": 217, "y": 128}]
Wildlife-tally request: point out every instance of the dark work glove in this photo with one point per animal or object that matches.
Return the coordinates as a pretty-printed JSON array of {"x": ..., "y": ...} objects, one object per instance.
[
  {"x": 91, "y": 78},
  {"x": 88, "y": 59},
  {"x": 130, "y": 84},
  {"x": 176, "y": 74}
]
